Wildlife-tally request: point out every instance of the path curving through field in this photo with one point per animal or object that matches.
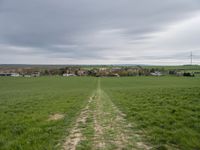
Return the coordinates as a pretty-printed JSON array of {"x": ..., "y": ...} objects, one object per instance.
[{"x": 101, "y": 125}]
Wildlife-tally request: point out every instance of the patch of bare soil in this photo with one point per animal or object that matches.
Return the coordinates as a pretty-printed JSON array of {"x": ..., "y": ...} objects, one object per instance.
[
  {"x": 56, "y": 116},
  {"x": 141, "y": 145}
]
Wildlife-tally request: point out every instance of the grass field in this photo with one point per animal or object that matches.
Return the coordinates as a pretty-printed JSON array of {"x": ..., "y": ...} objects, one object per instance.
[
  {"x": 100, "y": 113},
  {"x": 167, "y": 109},
  {"x": 27, "y": 103}
]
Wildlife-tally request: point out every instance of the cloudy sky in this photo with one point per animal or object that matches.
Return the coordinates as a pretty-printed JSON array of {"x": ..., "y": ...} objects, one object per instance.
[{"x": 99, "y": 31}]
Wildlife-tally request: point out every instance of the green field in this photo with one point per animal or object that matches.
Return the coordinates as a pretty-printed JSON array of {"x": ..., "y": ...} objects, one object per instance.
[
  {"x": 166, "y": 108},
  {"x": 27, "y": 103},
  {"x": 163, "y": 111}
]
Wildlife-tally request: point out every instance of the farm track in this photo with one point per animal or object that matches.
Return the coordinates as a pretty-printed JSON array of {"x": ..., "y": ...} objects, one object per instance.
[{"x": 101, "y": 125}]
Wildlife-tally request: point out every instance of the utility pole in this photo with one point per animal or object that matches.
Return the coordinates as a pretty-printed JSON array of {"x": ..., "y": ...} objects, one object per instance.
[{"x": 191, "y": 55}]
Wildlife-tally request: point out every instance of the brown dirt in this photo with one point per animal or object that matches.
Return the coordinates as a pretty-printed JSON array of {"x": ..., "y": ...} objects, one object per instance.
[{"x": 56, "y": 116}]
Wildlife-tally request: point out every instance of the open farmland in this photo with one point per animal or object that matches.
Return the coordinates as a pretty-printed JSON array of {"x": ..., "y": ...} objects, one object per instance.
[
  {"x": 167, "y": 109},
  {"x": 32, "y": 110},
  {"x": 100, "y": 113}
]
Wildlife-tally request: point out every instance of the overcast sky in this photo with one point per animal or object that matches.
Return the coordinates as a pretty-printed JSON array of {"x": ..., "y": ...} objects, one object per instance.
[{"x": 99, "y": 31}]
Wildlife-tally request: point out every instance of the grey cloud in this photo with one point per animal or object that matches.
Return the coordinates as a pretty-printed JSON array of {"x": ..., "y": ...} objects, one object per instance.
[{"x": 39, "y": 25}]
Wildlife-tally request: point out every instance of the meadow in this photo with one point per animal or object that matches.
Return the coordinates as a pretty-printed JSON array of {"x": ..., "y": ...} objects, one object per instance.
[
  {"x": 27, "y": 103},
  {"x": 166, "y": 109}
]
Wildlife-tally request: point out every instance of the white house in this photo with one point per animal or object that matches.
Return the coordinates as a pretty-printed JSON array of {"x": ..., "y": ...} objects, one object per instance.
[
  {"x": 156, "y": 73},
  {"x": 15, "y": 75},
  {"x": 68, "y": 75},
  {"x": 27, "y": 76}
]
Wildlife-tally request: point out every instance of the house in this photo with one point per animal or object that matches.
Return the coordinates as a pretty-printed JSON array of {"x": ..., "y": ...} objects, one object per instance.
[
  {"x": 81, "y": 73},
  {"x": 5, "y": 74},
  {"x": 15, "y": 75},
  {"x": 68, "y": 75},
  {"x": 10, "y": 74},
  {"x": 103, "y": 69},
  {"x": 27, "y": 76},
  {"x": 156, "y": 73},
  {"x": 35, "y": 74},
  {"x": 115, "y": 75}
]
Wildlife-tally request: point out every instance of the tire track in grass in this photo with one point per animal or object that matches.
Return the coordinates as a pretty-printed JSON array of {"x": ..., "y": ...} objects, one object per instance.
[
  {"x": 113, "y": 130},
  {"x": 101, "y": 125},
  {"x": 76, "y": 135}
]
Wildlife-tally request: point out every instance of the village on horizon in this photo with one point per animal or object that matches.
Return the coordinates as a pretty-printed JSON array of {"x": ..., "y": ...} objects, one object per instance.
[{"x": 17, "y": 70}]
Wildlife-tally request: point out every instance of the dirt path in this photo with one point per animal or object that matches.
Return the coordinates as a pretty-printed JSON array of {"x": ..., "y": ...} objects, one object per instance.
[
  {"x": 102, "y": 126},
  {"x": 76, "y": 134}
]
